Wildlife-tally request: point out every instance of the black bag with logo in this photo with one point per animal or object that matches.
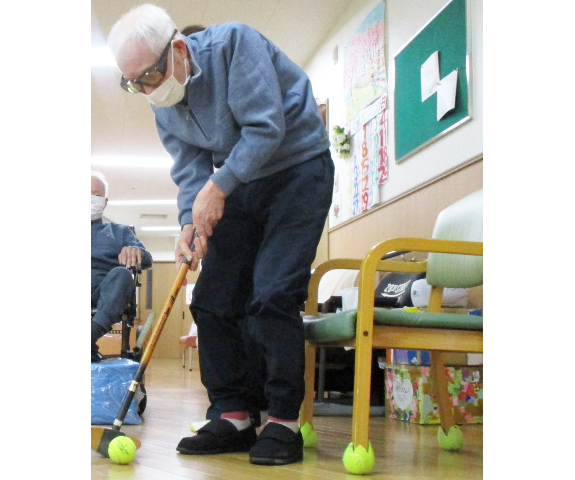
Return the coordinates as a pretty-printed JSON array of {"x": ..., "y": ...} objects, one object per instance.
[{"x": 394, "y": 290}]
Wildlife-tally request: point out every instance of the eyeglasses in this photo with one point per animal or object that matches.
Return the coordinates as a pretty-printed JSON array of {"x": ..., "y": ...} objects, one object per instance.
[{"x": 151, "y": 77}]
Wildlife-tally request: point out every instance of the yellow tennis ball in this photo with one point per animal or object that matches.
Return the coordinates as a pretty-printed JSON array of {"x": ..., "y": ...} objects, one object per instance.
[
  {"x": 309, "y": 435},
  {"x": 122, "y": 450},
  {"x": 358, "y": 461},
  {"x": 453, "y": 441}
]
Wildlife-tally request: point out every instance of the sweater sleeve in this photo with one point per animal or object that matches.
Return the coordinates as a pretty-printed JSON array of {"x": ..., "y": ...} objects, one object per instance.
[
  {"x": 254, "y": 96},
  {"x": 191, "y": 170}
]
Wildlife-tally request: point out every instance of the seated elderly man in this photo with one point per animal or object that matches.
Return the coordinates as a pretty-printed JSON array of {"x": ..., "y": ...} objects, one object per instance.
[{"x": 115, "y": 249}]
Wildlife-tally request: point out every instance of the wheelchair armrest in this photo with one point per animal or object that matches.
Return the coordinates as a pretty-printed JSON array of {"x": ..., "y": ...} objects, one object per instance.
[{"x": 136, "y": 271}]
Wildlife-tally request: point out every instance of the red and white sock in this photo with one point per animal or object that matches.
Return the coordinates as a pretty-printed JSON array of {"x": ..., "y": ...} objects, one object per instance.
[
  {"x": 240, "y": 419},
  {"x": 291, "y": 424}
]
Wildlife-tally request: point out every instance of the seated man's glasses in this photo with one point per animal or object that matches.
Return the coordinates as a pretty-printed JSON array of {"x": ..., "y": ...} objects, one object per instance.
[{"x": 150, "y": 77}]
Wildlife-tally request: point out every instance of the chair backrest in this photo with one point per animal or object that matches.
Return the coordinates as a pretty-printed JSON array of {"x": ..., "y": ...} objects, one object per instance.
[{"x": 462, "y": 220}]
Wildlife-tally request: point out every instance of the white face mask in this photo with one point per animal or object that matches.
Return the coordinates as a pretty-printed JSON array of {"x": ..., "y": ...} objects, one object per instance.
[
  {"x": 170, "y": 91},
  {"x": 98, "y": 204}
]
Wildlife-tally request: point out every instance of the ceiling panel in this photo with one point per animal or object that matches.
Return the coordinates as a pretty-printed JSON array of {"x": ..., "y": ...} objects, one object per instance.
[
  {"x": 106, "y": 12},
  {"x": 299, "y": 34},
  {"x": 255, "y": 13}
]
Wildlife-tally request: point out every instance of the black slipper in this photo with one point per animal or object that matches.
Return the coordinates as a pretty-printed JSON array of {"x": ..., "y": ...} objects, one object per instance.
[
  {"x": 218, "y": 436},
  {"x": 277, "y": 445}
]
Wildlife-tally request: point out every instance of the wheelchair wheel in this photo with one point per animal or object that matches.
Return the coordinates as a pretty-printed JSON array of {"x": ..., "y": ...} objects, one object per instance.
[{"x": 143, "y": 400}]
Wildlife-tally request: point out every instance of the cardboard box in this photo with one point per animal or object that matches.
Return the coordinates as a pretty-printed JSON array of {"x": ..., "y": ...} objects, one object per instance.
[
  {"x": 410, "y": 357},
  {"x": 111, "y": 343},
  {"x": 474, "y": 359},
  {"x": 422, "y": 357},
  {"x": 410, "y": 394}
]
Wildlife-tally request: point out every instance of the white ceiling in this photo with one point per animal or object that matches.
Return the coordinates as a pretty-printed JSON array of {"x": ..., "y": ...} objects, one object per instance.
[{"x": 123, "y": 124}]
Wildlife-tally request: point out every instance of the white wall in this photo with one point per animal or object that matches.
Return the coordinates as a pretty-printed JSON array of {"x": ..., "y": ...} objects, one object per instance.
[
  {"x": 403, "y": 19},
  {"x": 161, "y": 248}
]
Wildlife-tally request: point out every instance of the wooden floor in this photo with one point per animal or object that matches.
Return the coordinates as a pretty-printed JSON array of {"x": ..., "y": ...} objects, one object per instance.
[{"x": 176, "y": 398}]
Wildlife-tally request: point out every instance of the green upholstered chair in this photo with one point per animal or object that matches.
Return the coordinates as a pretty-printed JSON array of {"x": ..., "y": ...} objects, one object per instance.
[{"x": 455, "y": 260}]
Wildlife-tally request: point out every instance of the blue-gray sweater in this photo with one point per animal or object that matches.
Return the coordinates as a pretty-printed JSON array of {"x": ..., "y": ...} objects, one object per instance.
[
  {"x": 248, "y": 110},
  {"x": 108, "y": 239}
]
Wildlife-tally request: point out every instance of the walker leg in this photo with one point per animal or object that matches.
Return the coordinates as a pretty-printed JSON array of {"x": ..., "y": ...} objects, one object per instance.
[{"x": 190, "y": 349}]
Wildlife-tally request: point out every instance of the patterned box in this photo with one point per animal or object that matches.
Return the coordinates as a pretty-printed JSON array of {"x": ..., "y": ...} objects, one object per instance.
[{"x": 410, "y": 394}]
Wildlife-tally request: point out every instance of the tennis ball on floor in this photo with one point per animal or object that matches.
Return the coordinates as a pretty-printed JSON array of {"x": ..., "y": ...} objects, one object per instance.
[
  {"x": 122, "y": 450},
  {"x": 358, "y": 461},
  {"x": 453, "y": 441}
]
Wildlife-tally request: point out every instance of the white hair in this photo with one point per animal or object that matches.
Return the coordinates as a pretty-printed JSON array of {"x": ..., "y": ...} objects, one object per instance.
[
  {"x": 145, "y": 23},
  {"x": 100, "y": 176}
]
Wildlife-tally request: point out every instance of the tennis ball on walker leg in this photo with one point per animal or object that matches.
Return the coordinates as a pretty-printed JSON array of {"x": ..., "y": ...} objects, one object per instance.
[{"x": 122, "y": 450}]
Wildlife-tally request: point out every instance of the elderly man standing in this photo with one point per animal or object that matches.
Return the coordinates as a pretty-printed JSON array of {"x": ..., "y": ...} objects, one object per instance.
[
  {"x": 115, "y": 249},
  {"x": 255, "y": 176}
]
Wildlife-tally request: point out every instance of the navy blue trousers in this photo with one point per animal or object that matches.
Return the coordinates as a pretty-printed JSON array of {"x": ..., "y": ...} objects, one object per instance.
[
  {"x": 112, "y": 296},
  {"x": 252, "y": 286}
]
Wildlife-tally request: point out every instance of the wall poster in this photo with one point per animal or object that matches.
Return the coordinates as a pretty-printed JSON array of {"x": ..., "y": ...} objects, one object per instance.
[{"x": 365, "y": 92}]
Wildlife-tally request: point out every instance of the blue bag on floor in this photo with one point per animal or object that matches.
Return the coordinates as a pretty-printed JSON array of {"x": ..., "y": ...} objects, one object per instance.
[{"x": 110, "y": 381}]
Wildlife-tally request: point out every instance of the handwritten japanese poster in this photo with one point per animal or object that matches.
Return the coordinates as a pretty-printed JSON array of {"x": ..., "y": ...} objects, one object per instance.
[
  {"x": 365, "y": 85},
  {"x": 365, "y": 76},
  {"x": 370, "y": 163}
]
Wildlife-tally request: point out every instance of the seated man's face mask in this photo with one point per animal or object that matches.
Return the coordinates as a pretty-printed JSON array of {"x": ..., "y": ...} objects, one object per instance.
[
  {"x": 170, "y": 91},
  {"x": 98, "y": 204}
]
